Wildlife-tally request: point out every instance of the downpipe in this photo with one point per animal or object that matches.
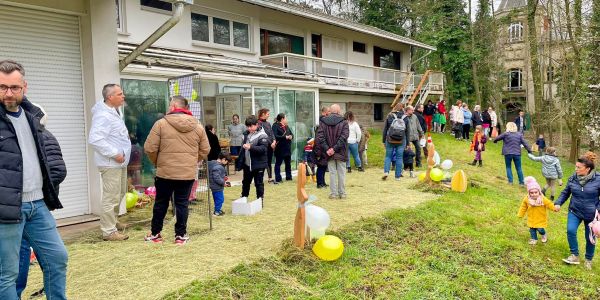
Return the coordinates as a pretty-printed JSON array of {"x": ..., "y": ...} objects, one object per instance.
[{"x": 164, "y": 28}]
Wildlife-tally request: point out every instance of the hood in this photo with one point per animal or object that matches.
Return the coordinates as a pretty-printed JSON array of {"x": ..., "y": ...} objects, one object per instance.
[
  {"x": 181, "y": 122},
  {"x": 212, "y": 164},
  {"x": 549, "y": 159},
  {"x": 332, "y": 119}
]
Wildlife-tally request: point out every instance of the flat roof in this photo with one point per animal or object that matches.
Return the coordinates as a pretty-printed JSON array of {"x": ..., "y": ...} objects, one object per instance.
[{"x": 336, "y": 21}]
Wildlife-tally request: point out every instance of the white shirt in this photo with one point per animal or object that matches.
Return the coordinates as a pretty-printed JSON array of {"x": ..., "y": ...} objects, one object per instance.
[{"x": 355, "y": 134}]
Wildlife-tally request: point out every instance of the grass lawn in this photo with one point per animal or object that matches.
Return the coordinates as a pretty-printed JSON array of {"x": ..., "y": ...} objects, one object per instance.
[{"x": 466, "y": 246}]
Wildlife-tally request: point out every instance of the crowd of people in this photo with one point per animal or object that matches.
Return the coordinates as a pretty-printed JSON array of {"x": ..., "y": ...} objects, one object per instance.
[{"x": 33, "y": 168}]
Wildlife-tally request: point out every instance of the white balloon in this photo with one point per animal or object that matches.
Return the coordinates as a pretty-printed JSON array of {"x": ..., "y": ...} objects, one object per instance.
[
  {"x": 316, "y": 233},
  {"x": 436, "y": 158},
  {"x": 446, "y": 164},
  {"x": 317, "y": 217}
]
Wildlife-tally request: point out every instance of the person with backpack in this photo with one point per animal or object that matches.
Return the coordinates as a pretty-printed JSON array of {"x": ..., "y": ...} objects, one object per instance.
[{"x": 395, "y": 138}]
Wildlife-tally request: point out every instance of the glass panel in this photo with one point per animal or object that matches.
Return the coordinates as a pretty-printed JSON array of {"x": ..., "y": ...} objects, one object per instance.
[
  {"x": 146, "y": 103},
  {"x": 221, "y": 31},
  {"x": 158, "y": 4},
  {"x": 287, "y": 105},
  {"x": 305, "y": 120},
  {"x": 298, "y": 45},
  {"x": 240, "y": 35},
  {"x": 199, "y": 27},
  {"x": 265, "y": 98}
]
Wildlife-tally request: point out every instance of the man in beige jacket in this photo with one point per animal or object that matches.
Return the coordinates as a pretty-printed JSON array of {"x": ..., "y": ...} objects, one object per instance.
[{"x": 175, "y": 145}]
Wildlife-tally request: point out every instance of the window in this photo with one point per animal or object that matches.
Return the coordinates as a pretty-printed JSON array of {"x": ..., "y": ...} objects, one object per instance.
[
  {"x": 377, "y": 111},
  {"x": 316, "y": 46},
  {"x": 550, "y": 74},
  {"x": 515, "y": 32},
  {"x": 359, "y": 47},
  {"x": 162, "y": 5},
  {"x": 385, "y": 58},
  {"x": 272, "y": 42},
  {"x": 240, "y": 35},
  {"x": 119, "y": 7},
  {"x": 220, "y": 31},
  {"x": 515, "y": 80},
  {"x": 200, "y": 28}
]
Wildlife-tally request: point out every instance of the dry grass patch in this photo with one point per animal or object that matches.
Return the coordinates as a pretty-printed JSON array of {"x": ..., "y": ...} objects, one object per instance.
[{"x": 136, "y": 270}]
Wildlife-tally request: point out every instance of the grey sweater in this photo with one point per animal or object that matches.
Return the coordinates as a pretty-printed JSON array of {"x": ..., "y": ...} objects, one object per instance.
[{"x": 32, "y": 173}]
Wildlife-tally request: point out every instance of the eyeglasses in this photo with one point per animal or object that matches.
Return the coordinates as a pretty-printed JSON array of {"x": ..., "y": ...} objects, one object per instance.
[{"x": 15, "y": 89}]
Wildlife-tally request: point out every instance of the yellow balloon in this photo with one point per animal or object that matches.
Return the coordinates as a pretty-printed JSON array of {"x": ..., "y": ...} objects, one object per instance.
[
  {"x": 328, "y": 248},
  {"x": 422, "y": 176},
  {"x": 194, "y": 95},
  {"x": 176, "y": 88},
  {"x": 436, "y": 174}
]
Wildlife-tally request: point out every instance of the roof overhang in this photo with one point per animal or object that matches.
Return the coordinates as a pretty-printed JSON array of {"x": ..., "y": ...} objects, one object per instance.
[{"x": 321, "y": 17}]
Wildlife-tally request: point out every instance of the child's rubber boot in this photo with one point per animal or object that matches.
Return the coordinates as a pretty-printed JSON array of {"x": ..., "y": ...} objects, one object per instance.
[
  {"x": 349, "y": 170},
  {"x": 473, "y": 163},
  {"x": 480, "y": 163}
]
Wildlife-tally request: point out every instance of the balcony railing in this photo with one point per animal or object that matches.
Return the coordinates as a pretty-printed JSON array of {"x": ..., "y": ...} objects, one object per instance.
[{"x": 333, "y": 71}]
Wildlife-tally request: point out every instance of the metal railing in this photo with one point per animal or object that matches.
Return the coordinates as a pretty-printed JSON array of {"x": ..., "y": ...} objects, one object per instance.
[{"x": 351, "y": 74}]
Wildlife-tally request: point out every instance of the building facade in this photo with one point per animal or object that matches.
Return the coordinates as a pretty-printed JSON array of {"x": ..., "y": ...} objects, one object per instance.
[{"x": 242, "y": 55}]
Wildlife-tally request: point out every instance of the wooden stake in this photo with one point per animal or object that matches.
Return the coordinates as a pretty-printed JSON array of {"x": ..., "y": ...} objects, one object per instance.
[{"x": 302, "y": 196}]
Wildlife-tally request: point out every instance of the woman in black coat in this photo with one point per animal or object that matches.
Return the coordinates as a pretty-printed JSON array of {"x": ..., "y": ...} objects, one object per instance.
[
  {"x": 283, "y": 148},
  {"x": 213, "y": 141}
]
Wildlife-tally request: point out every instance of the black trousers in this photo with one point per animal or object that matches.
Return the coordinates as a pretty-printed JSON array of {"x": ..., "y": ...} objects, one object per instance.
[
  {"x": 465, "y": 131},
  {"x": 321, "y": 174},
  {"x": 257, "y": 176},
  {"x": 457, "y": 129},
  {"x": 269, "y": 161},
  {"x": 288, "y": 167},
  {"x": 409, "y": 167},
  {"x": 417, "y": 152},
  {"x": 180, "y": 190}
]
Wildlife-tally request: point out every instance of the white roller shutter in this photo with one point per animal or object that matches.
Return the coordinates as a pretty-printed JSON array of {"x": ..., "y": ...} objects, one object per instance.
[{"x": 48, "y": 46}]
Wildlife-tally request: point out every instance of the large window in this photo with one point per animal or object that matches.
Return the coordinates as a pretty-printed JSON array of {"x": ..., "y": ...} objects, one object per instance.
[
  {"x": 515, "y": 80},
  {"x": 272, "y": 42},
  {"x": 220, "y": 31},
  {"x": 378, "y": 111},
  {"x": 146, "y": 103},
  {"x": 385, "y": 58},
  {"x": 515, "y": 32}
]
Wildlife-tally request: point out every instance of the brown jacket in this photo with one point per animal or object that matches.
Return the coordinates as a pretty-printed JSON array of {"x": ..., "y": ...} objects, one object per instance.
[{"x": 175, "y": 145}]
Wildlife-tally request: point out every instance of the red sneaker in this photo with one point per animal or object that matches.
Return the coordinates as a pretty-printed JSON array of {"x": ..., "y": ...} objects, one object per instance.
[{"x": 153, "y": 238}]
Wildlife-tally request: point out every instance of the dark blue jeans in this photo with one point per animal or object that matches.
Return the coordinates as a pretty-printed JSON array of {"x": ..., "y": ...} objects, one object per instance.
[
  {"x": 573, "y": 223},
  {"x": 38, "y": 227},
  {"x": 533, "y": 232},
  {"x": 517, "y": 160}
]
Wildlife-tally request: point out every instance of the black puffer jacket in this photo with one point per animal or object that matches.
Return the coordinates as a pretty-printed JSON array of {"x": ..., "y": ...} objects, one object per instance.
[
  {"x": 56, "y": 164},
  {"x": 11, "y": 165},
  {"x": 258, "y": 151}
]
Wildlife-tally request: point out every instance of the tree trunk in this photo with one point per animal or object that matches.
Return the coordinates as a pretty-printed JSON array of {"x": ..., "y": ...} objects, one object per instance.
[
  {"x": 535, "y": 66},
  {"x": 574, "y": 154}
]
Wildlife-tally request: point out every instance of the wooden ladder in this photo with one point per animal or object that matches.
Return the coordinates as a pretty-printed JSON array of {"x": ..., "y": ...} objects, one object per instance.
[
  {"x": 419, "y": 87},
  {"x": 402, "y": 88}
]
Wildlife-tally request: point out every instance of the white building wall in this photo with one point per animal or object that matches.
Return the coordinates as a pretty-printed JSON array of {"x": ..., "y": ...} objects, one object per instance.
[{"x": 141, "y": 22}]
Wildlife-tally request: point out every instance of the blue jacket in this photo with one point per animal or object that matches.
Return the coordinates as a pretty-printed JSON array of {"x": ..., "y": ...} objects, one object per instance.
[
  {"x": 468, "y": 115},
  {"x": 512, "y": 143},
  {"x": 216, "y": 173},
  {"x": 584, "y": 199},
  {"x": 541, "y": 143}
]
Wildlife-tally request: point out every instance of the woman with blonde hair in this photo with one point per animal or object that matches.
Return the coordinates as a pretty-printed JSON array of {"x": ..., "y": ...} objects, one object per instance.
[{"x": 511, "y": 149}]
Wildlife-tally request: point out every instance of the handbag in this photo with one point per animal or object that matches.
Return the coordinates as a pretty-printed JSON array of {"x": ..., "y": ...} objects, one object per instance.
[{"x": 595, "y": 228}]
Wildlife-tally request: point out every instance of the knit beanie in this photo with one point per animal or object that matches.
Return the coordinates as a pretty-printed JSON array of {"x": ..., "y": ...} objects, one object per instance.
[{"x": 532, "y": 184}]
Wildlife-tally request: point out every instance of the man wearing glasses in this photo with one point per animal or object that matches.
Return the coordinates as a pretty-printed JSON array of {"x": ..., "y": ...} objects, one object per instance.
[{"x": 27, "y": 194}]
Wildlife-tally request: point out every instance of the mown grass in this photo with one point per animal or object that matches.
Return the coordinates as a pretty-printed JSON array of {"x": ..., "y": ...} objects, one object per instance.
[{"x": 466, "y": 246}]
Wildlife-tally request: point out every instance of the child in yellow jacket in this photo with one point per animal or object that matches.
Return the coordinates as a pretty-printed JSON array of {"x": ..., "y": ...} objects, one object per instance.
[{"x": 535, "y": 205}]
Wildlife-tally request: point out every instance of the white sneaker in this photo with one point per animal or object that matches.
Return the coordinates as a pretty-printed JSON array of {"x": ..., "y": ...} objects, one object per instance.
[{"x": 242, "y": 199}]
